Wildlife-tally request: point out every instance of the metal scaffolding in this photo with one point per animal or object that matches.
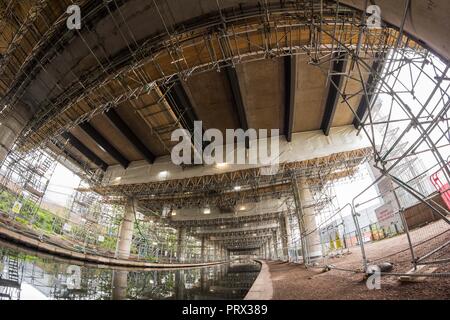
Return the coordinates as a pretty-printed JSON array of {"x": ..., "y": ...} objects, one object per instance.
[
  {"x": 24, "y": 181},
  {"x": 403, "y": 90}
]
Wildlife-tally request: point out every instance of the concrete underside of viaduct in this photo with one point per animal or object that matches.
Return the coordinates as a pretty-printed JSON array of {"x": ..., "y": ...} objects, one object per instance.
[{"x": 106, "y": 99}]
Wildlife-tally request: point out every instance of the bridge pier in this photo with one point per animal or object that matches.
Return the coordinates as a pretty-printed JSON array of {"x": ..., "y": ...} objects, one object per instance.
[
  {"x": 275, "y": 244},
  {"x": 313, "y": 244},
  {"x": 125, "y": 239},
  {"x": 181, "y": 242},
  {"x": 11, "y": 126},
  {"x": 202, "y": 250},
  {"x": 285, "y": 236}
]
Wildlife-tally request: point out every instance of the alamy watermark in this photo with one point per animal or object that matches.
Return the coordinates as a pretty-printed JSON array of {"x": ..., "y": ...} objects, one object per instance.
[
  {"x": 373, "y": 282},
  {"x": 251, "y": 147},
  {"x": 73, "y": 22},
  {"x": 373, "y": 21},
  {"x": 73, "y": 280}
]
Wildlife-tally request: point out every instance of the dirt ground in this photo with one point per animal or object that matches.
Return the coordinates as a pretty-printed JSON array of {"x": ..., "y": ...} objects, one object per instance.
[{"x": 293, "y": 281}]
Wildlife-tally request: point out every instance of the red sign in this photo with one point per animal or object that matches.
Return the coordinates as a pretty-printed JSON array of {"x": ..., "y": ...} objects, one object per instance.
[{"x": 443, "y": 188}]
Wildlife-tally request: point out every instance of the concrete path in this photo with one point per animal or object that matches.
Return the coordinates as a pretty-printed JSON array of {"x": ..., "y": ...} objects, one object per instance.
[{"x": 262, "y": 288}]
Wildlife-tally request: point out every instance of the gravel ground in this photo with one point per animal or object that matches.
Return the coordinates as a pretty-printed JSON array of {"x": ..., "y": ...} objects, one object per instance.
[{"x": 293, "y": 281}]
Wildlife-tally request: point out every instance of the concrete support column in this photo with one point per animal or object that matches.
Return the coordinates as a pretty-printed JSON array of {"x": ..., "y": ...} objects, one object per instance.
[
  {"x": 275, "y": 244},
  {"x": 217, "y": 252},
  {"x": 181, "y": 243},
  {"x": 125, "y": 239},
  {"x": 314, "y": 247},
  {"x": 202, "y": 254},
  {"x": 15, "y": 119},
  {"x": 285, "y": 236},
  {"x": 265, "y": 250},
  {"x": 270, "y": 245},
  {"x": 209, "y": 249},
  {"x": 288, "y": 235},
  {"x": 203, "y": 279}
]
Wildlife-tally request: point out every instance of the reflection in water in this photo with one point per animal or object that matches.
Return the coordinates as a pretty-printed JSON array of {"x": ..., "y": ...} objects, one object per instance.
[
  {"x": 119, "y": 289},
  {"x": 27, "y": 276}
]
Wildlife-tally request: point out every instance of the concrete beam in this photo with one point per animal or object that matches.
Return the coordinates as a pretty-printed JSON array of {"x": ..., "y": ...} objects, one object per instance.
[
  {"x": 117, "y": 121},
  {"x": 290, "y": 67},
  {"x": 366, "y": 99},
  {"x": 85, "y": 151},
  {"x": 181, "y": 104},
  {"x": 238, "y": 101},
  {"x": 243, "y": 229},
  {"x": 334, "y": 85},
  {"x": 304, "y": 146},
  {"x": 11, "y": 126},
  {"x": 104, "y": 143},
  {"x": 243, "y": 237}
]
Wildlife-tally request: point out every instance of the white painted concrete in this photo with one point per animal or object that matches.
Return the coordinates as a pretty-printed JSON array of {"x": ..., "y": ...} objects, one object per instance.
[{"x": 304, "y": 146}]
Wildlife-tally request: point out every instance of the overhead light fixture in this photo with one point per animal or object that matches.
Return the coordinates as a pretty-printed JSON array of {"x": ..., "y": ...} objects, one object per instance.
[
  {"x": 237, "y": 188},
  {"x": 174, "y": 213},
  {"x": 242, "y": 208},
  {"x": 206, "y": 211},
  {"x": 163, "y": 174},
  {"x": 101, "y": 148},
  {"x": 221, "y": 165}
]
